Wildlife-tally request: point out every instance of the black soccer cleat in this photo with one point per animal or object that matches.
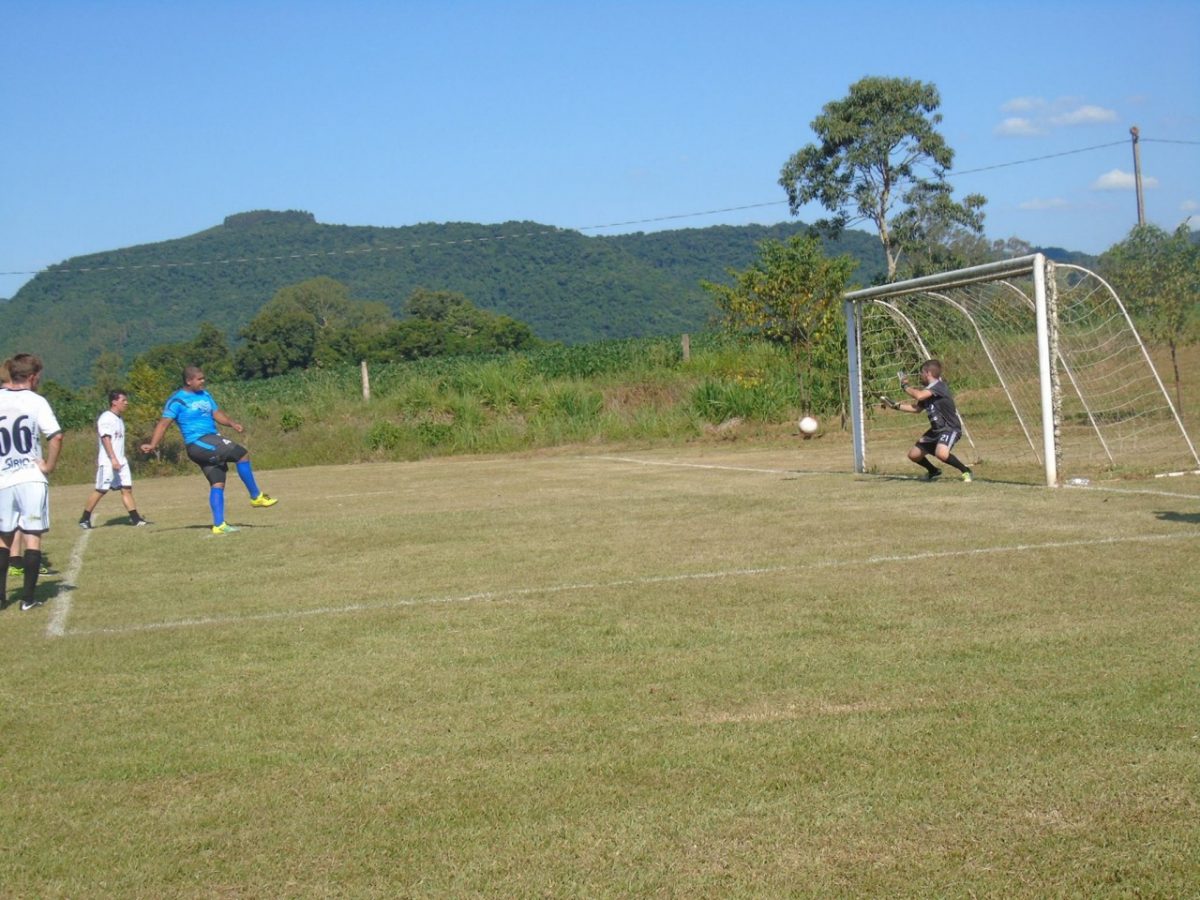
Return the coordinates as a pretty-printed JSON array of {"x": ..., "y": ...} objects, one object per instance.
[
  {"x": 934, "y": 475},
  {"x": 27, "y": 605}
]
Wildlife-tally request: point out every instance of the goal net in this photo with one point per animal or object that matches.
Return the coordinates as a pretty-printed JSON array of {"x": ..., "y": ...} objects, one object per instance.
[{"x": 1051, "y": 378}]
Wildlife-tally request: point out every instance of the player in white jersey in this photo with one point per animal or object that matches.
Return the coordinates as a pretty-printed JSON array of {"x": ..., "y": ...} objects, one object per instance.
[
  {"x": 112, "y": 468},
  {"x": 24, "y": 489}
]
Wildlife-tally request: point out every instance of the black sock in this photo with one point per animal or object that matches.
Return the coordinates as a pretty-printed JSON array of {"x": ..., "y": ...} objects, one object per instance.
[
  {"x": 925, "y": 464},
  {"x": 86, "y": 517},
  {"x": 953, "y": 460},
  {"x": 134, "y": 517},
  {"x": 4, "y": 557},
  {"x": 33, "y": 562}
]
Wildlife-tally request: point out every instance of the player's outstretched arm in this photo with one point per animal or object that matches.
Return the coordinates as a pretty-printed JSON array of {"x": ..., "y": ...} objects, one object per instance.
[
  {"x": 160, "y": 429},
  {"x": 887, "y": 402},
  {"x": 221, "y": 419}
]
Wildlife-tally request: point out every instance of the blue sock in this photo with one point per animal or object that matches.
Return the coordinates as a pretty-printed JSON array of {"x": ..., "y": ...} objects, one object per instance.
[
  {"x": 216, "y": 500},
  {"x": 247, "y": 476}
]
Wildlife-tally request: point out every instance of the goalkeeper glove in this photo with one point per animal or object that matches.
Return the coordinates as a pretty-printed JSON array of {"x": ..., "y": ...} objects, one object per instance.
[
  {"x": 903, "y": 376},
  {"x": 888, "y": 402}
]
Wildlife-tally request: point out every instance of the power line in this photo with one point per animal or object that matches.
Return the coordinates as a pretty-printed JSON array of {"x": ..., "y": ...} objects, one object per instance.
[
  {"x": 541, "y": 232},
  {"x": 1032, "y": 159},
  {"x": 683, "y": 215}
]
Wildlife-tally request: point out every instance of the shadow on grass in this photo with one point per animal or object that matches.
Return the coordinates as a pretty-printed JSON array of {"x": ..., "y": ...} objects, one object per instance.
[
  {"x": 946, "y": 478},
  {"x": 119, "y": 521},
  {"x": 167, "y": 529},
  {"x": 48, "y": 588},
  {"x": 1186, "y": 518}
]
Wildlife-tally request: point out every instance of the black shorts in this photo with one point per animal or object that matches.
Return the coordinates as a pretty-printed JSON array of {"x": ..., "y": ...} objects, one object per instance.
[
  {"x": 929, "y": 440},
  {"x": 213, "y": 454}
]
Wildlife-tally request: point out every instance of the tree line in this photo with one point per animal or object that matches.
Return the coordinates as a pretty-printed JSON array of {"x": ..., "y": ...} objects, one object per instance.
[{"x": 312, "y": 324}]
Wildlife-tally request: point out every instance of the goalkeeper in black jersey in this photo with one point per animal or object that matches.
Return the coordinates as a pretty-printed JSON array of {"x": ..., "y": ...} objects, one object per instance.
[{"x": 945, "y": 427}]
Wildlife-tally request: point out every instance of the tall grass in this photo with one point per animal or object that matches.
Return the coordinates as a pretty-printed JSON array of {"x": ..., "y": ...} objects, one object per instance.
[
  {"x": 613, "y": 391},
  {"x": 634, "y": 392}
]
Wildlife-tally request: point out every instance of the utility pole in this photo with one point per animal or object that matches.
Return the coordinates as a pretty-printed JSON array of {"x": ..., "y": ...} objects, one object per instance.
[{"x": 1137, "y": 176}]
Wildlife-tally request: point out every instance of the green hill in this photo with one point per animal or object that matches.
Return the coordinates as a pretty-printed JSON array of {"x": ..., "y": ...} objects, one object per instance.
[{"x": 569, "y": 287}]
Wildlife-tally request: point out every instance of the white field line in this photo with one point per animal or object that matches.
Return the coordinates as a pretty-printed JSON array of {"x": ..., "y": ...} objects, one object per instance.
[
  {"x": 358, "y": 494},
  {"x": 686, "y": 465},
  {"x": 515, "y": 593},
  {"x": 1116, "y": 490},
  {"x": 57, "y": 626}
]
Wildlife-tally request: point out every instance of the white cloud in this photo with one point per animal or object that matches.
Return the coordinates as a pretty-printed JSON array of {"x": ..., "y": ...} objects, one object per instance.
[
  {"x": 1039, "y": 203},
  {"x": 1116, "y": 180},
  {"x": 1017, "y": 127},
  {"x": 1189, "y": 206},
  {"x": 1034, "y": 116},
  {"x": 1022, "y": 104},
  {"x": 1085, "y": 115}
]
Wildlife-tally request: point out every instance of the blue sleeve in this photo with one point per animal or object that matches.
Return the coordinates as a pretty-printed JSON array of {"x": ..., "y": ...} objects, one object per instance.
[{"x": 171, "y": 410}]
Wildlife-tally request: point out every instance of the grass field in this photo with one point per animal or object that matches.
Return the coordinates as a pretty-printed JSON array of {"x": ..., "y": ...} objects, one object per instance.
[{"x": 697, "y": 671}]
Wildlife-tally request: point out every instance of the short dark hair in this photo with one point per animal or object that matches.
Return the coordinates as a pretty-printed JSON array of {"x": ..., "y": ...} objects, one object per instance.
[
  {"x": 933, "y": 367},
  {"x": 190, "y": 372},
  {"x": 115, "y": 395}
]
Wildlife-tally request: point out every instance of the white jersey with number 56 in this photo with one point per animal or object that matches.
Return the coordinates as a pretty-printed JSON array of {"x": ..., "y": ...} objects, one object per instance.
[{"x": 24, "y": 415}]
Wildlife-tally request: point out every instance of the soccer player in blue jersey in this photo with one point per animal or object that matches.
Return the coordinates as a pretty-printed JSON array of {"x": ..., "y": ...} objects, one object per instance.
[
  {"x": 945, "y": 427},
  {"x": 196, "y": 413}
]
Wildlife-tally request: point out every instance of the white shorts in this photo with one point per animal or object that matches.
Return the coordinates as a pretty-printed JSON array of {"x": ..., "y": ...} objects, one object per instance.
[
  {"x": 25, "y": 507},
  {"x": 109, "y": 480}
]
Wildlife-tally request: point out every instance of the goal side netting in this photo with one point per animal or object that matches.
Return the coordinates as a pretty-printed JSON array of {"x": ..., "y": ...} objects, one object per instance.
[{"x": 1050, "y": 375}]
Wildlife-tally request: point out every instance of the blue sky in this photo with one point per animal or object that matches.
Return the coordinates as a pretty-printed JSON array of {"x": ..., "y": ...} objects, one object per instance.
[{"x": 135, "y": 122}]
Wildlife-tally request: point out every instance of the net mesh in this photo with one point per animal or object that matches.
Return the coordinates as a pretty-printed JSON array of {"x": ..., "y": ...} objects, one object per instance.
[{"x": 1114, "y": 416}]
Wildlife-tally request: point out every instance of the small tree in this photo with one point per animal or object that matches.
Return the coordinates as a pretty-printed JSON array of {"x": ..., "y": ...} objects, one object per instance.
[
  {"x": 107, "y": 373},
  {"x": 313, "y": 323},
  {"x": 874, "y": 147},
  {"x": 1158, "y": 276},
  {"x": 792, "y": 296},
  {"x": 208, "y": 350},
  {"x": 447, "y": 323},
  {"x": 148, "y": 387}
]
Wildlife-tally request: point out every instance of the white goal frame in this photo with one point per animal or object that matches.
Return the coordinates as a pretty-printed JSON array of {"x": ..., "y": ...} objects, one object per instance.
[{"x": 1035, "y": 280}]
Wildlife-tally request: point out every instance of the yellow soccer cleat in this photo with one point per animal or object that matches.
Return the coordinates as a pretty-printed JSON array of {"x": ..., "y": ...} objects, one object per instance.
[
  {"x": 225, "y": 528},
  {"x": 263, "y": 500}
]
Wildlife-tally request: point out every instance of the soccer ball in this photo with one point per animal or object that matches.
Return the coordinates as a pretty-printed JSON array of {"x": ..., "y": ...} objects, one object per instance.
[{"x": 809, "y": 425}]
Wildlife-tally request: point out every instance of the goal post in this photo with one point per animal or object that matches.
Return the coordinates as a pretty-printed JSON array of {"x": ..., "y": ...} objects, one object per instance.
[{"x": 1049, "y": 372}]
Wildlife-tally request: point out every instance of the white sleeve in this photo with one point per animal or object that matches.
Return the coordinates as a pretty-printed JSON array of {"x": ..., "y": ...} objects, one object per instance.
[{"x": 46, "y": 421}]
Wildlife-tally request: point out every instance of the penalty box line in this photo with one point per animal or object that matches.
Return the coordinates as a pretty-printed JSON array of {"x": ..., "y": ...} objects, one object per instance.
[
  {"x": 517, "y": 593},
  {"x": 686, "y": 465}
]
